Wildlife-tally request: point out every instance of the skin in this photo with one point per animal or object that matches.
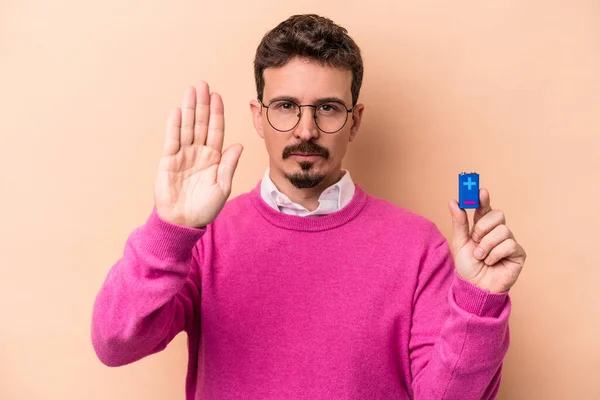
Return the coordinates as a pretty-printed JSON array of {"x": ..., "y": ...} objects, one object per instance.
[
  {"x": 488, "y": 255},
  {"x": 195, "y": 173},
  {"x": 306, "y": 81}
]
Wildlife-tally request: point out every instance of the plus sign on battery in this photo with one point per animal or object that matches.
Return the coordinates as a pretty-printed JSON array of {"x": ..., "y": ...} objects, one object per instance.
[{"x": 469, "y": 183}]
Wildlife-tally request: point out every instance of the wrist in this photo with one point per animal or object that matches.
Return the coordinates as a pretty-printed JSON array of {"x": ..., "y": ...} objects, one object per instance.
[
  {"x": 165, "y": 239},
  {"x": 476, "y": 300},
  {"x": 180, "y": 221}
]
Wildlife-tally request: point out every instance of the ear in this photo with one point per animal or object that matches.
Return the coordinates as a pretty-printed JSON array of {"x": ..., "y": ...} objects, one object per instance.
[
  {"x": 356, "y": 119},
  {"x": 257, "y": 117}
]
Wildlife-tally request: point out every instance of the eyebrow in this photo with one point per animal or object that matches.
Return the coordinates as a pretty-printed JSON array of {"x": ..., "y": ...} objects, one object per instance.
[{"x": 317, "y": 101}]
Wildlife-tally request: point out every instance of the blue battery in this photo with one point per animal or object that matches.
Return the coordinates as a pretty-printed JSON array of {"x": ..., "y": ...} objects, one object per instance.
[{"x": 468, "y": 190}]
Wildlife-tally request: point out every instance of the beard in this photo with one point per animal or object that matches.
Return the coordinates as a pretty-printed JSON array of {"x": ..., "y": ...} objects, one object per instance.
[{"x": 305, "y": 179}]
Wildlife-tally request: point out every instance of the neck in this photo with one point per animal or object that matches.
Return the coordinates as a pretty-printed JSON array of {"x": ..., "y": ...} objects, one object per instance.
[{"x": 309, "y": 197}]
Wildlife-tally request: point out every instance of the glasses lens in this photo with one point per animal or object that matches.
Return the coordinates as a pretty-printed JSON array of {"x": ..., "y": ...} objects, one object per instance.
[
  {"x": 283, "y": 115},
  {"x": 331, "y": 116}
]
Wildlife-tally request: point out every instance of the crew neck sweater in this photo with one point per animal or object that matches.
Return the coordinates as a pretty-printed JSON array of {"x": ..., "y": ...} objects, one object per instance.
[{"x": 363, "y": 303}]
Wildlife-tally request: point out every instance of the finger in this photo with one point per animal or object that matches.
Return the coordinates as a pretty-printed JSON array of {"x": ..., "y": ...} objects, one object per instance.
[
  {"x": 216, "y": 123},
  {"x": 172, "y": 144},
  {"x": 188, "y": 108},
  {"x": 460, "y": 225},
  {"x": 498, "y": 235},
  {"x": 484, "y": 205},
  {"x": 202, "y": 111},
  {"x": 486, "y": 224},
  {"x": 507, "y": 249},
  {"x": 227, "y": 166}
]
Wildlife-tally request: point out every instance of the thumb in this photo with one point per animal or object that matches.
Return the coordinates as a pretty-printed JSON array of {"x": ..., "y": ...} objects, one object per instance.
[
  {"x": 460, "y": 225},
  {"x": 227, "y": 166}
]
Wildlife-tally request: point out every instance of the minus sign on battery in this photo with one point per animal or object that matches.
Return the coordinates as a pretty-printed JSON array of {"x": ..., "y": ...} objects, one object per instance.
[{"x": 470, "y": 202}]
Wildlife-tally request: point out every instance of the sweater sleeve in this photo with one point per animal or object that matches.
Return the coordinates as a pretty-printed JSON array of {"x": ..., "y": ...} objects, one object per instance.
[
  {"x": 459, "y": 334},
  {"x": 150, "y": 294}
]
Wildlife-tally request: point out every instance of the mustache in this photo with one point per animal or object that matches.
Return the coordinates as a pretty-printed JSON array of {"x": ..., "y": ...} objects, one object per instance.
[{"x": 305, "y": 147}]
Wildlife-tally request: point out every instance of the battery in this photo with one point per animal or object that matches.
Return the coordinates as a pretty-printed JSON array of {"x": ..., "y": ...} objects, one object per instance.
[{"x": 468, "y": 190}]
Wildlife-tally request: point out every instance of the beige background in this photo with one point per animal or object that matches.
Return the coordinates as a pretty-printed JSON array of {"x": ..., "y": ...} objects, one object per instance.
[{"x": 509, "y": 89}]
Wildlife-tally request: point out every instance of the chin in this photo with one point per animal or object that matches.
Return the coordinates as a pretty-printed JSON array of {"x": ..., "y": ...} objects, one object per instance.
[
  {"x": 308, "y": 167},
  {"x": 304, "y": 175}
]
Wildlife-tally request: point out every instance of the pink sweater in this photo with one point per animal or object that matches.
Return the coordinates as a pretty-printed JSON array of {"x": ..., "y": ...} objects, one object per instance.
[{"x": 363, "y": 303}]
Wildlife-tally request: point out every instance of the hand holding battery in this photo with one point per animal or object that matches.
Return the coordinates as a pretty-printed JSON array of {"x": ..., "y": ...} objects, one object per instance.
[{"x": 487, "y": 255}]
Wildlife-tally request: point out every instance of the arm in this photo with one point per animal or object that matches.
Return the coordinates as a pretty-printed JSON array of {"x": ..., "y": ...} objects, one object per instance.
[
  {"x": 150, "y": 295},
  {"x": 153, "y": 291},
  {"x": 457, "y": 346},
  {"x": 459, "y": 335}
]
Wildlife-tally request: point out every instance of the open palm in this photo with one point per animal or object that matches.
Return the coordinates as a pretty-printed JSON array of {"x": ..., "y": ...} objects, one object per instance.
[{"x": 194, "y": 175}]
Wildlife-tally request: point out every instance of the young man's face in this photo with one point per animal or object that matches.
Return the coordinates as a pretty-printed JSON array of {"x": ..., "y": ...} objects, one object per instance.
[{"x": 305, "y": 155}]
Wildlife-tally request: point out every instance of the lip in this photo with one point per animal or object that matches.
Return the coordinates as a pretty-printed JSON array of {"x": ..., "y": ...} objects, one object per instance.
[{"x": 305, "y": 155}]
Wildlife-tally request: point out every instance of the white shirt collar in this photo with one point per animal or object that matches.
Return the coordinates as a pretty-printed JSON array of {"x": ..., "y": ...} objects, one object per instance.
[{"x": 333, "y": 199}]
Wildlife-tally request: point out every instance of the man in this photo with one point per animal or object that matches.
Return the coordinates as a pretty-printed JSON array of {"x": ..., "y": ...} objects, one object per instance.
[{"x": 306, "y": 287}]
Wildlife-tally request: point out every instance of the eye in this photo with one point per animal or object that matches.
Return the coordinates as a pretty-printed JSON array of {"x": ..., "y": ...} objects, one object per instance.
[
  {"x": 285, "y": 106},
  {"x": 329, "y": 108}
]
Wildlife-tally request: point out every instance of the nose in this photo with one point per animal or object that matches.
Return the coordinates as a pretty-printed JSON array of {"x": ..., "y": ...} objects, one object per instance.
[{"x": 307, "y": 127}]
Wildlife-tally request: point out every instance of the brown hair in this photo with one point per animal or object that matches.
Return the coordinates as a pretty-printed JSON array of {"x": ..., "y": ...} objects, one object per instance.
[{"x": 308, "y": 36}]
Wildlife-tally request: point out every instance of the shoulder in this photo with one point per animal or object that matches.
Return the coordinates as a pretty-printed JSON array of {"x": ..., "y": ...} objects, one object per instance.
[
  {"x": 402, "y": 221},
  {"x": 237, "y": 204},
  {"x": 236, "y": 211},
  {"x": 235, "y": 216},
  {"x": 383, "y": 208}
]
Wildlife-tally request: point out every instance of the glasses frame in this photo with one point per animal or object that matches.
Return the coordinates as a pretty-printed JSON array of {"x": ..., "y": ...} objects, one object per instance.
[{"x": 348, "y": 111}]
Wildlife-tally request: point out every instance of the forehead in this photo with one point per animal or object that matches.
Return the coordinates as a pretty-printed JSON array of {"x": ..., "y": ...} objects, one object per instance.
[{"x": 307, "y": 80}]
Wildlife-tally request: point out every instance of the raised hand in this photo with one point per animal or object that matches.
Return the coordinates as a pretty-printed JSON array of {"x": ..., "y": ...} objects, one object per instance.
[
  {"x": 488, "y": 256},
  {"x": 195, "y": 175}
]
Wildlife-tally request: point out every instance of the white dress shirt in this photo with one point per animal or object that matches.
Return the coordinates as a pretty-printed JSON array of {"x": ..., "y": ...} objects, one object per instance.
[{"x": 334, "y": 198}]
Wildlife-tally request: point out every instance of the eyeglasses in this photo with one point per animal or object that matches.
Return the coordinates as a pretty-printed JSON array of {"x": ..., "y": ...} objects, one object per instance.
[{"x": 284, "y": 115}]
